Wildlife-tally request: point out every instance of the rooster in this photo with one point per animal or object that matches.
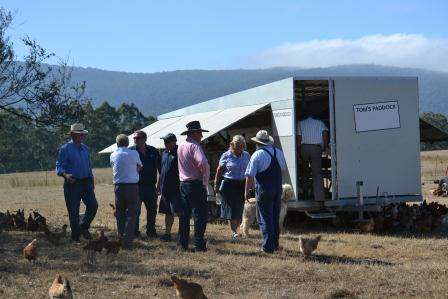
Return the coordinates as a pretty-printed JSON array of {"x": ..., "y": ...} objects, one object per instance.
[
  {"x": 55, "y": 237},
  {"x": 188, "y": 290},
  {"x": 367, "y": 226},
  {"x": 31, "y": 224},
  {"x": 41, "y": 220},
  {"x": 60, "y": 288},
  {"x": 19, "y": 219},
  {"x": 94, "y": 246},
  {"x": 30, "y": 251},
  {"x": 113, "y": 246},
  {"x": 308, "y": 245}
]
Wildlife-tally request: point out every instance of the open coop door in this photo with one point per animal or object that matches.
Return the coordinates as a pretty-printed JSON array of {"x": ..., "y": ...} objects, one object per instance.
[
  {"x": 283, "y": 129},
  {"x": 376, "y": 136}
]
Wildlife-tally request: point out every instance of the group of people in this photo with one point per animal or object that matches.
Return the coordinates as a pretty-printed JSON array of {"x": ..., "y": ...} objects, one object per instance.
[{"x": 180, "y": 176}]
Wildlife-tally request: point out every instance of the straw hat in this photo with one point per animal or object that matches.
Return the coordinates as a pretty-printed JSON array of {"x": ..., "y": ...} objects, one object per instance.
[
  {"x": 263, "y": 138},
  {"x": 78, "y": 129}
]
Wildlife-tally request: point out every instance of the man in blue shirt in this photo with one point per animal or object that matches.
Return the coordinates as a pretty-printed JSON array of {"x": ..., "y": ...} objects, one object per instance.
[
  {"x": 150, "y": 158},
  {"x": 73, "y": 164},
  {"x": 264, "y": 172}
]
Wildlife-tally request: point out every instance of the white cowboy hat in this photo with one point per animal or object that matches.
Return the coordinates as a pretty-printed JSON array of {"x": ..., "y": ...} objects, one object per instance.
[
  {"x": 263, "y": 137},
  {"x": 78, "y": 129}
]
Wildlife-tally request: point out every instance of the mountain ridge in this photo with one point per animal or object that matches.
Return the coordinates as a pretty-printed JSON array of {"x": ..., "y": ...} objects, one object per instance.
[{"x": 161, "y": 92}]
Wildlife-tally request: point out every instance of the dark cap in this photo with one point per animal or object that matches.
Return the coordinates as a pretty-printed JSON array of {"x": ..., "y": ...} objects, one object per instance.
[{"x": 169, "y": 137}]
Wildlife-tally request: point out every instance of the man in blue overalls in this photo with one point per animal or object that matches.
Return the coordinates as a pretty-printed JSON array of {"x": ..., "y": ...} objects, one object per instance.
[{"x": 264, "y": 172}]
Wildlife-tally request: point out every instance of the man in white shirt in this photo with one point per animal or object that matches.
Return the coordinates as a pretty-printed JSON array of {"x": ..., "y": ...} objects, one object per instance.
[
  {"x": 126, "y": 164},
  {"x": 312, "y": 140}
]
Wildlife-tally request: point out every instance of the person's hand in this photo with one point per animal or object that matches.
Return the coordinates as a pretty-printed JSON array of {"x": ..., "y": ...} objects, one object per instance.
[
  {"x": 69, "y": 178},
  {"x": 247, "y": 196}
]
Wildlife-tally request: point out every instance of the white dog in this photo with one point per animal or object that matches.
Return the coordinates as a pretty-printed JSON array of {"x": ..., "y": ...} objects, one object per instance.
[
  {"x": 287, "y": 194},
  {"x": 249, "y": 215},
  {"x": 250, "y": 210}
]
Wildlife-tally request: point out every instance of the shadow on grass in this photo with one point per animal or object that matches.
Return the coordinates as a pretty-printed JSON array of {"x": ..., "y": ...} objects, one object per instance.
[
  {"x": 331, "y": 259},
  {"x": 320, "y": 258},
  {"x": 325, "y": 226}
]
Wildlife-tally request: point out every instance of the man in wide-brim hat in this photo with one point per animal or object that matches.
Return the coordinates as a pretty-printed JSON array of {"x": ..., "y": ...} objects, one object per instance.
[
  {"x": 73, "y": 164},
  {"x": 193, "y": 127},
  {"x": 194, "y": 174},
  {"x": 264, "y": 174}
]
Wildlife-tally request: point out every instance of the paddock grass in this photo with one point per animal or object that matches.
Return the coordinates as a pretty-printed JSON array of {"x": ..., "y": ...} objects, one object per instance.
[{"x": 346, "y": 265}]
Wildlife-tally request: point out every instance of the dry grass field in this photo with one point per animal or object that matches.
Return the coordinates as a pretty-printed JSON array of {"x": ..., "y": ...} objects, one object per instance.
[{"x": 346, "y": 265}]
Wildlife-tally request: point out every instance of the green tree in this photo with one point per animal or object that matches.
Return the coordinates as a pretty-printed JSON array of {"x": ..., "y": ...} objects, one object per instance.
[
  {"x": 131, "y": 119},
  {"x": 44, "y": 94}
]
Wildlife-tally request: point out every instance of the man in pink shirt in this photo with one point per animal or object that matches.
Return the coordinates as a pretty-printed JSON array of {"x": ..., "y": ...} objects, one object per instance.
[{"x": 194, "y": 173}]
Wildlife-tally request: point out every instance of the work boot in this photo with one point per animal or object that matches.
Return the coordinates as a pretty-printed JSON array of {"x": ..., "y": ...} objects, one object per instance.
[
  {"x": 151, "y": 234},
  {"x": 166, "y": 238}
]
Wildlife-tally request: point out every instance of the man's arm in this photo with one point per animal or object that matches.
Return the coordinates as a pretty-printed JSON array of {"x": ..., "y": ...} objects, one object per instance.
[
  {"x": 325, "y": 139},
  {"x": 61, "y": 165},
  {"x": 138, "y": 162},
  {"x": 159, "y": 170},
  {"x": 202, "y": 163},
  {"x": 299, "y": 145}
]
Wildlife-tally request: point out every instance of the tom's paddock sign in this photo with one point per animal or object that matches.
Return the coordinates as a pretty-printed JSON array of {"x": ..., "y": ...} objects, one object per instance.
[{"x": 376, "y": 116}]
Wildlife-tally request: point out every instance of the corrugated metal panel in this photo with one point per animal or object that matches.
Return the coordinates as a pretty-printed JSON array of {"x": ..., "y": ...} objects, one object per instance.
[
  {"x": 149, "y": 130},
  {"x": 214, "y": 121}
]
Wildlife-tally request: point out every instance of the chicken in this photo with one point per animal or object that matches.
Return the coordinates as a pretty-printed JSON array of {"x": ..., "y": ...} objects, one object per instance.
[
  {"x": 114, "y": 210},
  {"x": 113, "y": 246},
  {"x": 55, "y": 237},
  {"x": 188, "y": 290},
  {"x": 94, "y": 246},
  {"x": 30, "y": 251},
  {"x": 60, "y": 288},
  {"x": 379, "y": 223},
  {"x": 31, "y": 224},
  {"x": 424, "y": 223},
  {"x": 308, "y": 245},
  {"x": 41, "y": 220},
  {"x": 9, "y": 220},
  {"x": 19, "y": 219},
  {"x": 367, "y": 226}
]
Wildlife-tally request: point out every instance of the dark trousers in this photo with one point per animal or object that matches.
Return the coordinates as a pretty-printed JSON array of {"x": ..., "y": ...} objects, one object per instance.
[
  {"x": 312, "y": 154},
  {"x": 127, "y": 203},
  {"x": 148, "y": 195},
  {"x": 73, "y": 194},
  {"x": 268, "y": 210},
  {"x": 194, "y": 202}
]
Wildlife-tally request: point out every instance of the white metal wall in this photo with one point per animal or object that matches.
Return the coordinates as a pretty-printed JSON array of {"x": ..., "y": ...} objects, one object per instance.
[{"x": 387, "y": 159}]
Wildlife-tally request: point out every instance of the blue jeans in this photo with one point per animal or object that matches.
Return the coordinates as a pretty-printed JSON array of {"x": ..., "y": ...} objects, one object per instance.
[
  {"x": 194, "y": 202},
  {"x": 148, "y": 195},
  {"x": 73, "y": 194},
  {"x": 268, "y": 209}
]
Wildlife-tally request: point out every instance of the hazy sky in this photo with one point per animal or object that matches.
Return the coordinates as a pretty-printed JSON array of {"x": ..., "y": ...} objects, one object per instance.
[{"x": 149, "y": 36}]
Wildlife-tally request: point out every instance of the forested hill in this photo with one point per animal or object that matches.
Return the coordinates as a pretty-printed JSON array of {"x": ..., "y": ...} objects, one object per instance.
[{"x": 157, "y": 93}]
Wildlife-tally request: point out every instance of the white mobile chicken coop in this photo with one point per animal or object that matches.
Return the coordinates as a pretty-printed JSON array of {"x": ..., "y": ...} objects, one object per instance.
[{"x": 374, "y": 132}]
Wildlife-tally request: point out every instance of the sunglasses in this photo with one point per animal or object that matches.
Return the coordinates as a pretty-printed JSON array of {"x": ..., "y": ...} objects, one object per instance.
[{"x": 139, "y": 137}]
